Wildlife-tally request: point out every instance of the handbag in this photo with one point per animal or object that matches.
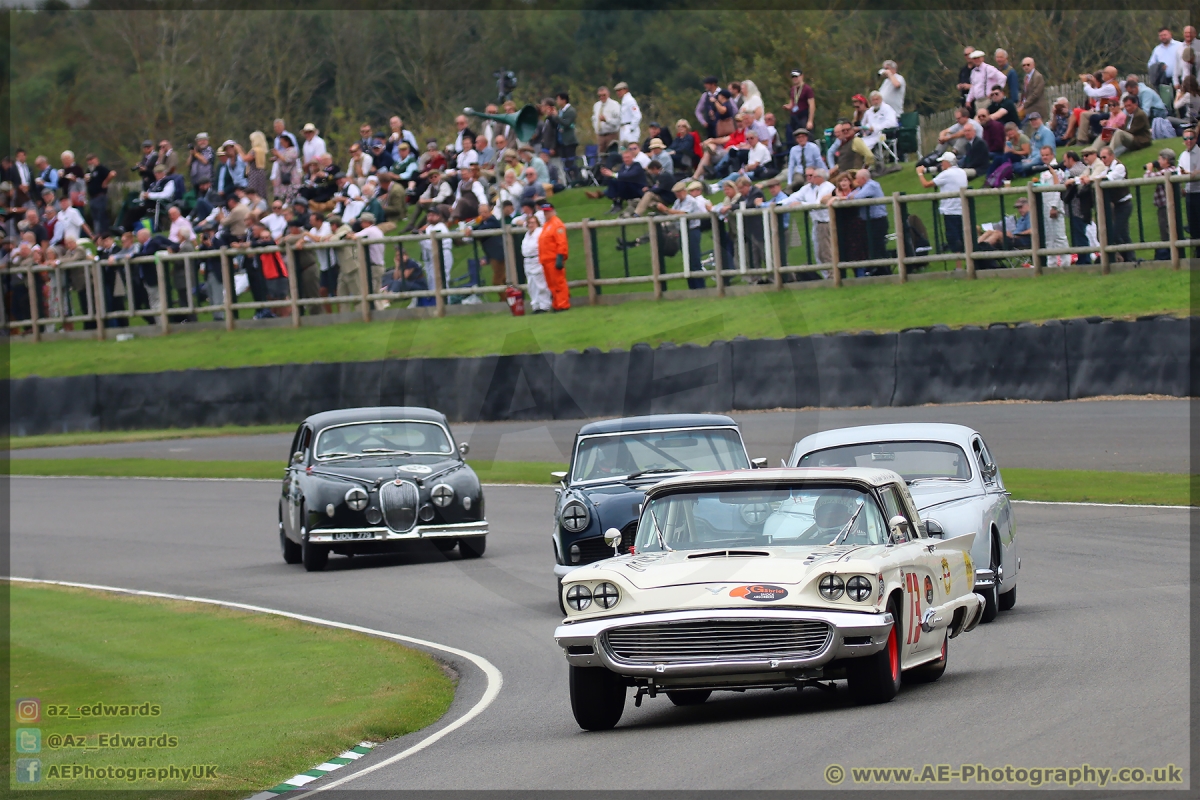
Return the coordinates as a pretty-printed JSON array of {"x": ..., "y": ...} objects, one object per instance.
[{"x": 725, "y": 127}]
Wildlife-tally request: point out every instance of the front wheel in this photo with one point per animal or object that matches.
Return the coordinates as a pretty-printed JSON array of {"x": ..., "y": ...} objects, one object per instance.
[
  {"x": 445, "y": 545},
  {"x": 991, "y": 598},
  {"x": 315, "y": 556},
  {"x": 876, "y": 678},
  {"x": 291, "y": 550},
  {"x": 1008, "y": 599},
  {"x": 597, "y": 698},
  {"x": 472, "y": 546}
]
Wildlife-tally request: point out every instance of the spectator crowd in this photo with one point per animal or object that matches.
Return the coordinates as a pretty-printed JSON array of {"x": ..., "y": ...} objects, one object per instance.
[{"x": 294, "y": 189}]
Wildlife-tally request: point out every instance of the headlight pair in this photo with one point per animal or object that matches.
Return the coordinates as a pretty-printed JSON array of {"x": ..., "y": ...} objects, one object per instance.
[
  {"x": 832, "y": 587},
  {"x": 580, "y": 597}
]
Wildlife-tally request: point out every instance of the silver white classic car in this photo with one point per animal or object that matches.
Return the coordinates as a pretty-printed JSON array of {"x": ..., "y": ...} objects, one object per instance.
[
  {"x": 954, "y": 481},
  {"x": 766, "y": 579}
]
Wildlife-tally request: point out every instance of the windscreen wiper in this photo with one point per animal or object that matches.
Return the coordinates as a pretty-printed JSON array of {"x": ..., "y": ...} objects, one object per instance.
[
  {"x": 387, "y": 451},
  {"x": 655, "y": 471},
  {"x": 662, "y": 542},
  {"x": 849, "y": 524}
]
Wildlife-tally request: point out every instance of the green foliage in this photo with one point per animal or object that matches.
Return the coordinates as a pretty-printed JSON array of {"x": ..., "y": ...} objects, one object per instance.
[{"x": 103, "y": 80}]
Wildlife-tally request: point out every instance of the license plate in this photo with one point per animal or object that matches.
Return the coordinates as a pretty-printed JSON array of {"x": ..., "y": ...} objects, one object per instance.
[{"x": 341, "y": 537}]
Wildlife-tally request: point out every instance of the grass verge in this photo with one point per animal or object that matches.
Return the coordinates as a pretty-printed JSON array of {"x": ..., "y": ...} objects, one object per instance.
[
  {"x": 113, "y": 437},
  {"x": 1055, "y": 485},
  {"x": 1095, "y": 486},
  {"x": 534, "y": 472},
  {"x": 261, "y": 697},
  {"x": 876, "y": 307}
]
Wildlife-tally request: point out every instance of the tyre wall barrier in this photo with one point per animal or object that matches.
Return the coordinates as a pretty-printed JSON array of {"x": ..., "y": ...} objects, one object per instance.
[{"x": 1053, "y": 361}]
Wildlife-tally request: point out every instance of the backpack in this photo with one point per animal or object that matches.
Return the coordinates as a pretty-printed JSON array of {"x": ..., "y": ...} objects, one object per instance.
[
  {"x": 999, "y": 175},
  {"x": 669, "y": 243}
]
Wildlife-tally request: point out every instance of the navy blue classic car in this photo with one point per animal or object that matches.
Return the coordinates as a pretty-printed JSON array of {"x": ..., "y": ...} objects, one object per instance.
[
  {"x": 614, "y": 461},
  {"x": 367, "y": 480}
]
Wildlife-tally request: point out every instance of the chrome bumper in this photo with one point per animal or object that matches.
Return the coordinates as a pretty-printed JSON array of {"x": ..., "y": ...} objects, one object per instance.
[
  {"x": 381, "y": 534},
  {"x": 561, "y": 570},
  {"x": 984, "y": 578},
  {"x": 586, "y": 635}
]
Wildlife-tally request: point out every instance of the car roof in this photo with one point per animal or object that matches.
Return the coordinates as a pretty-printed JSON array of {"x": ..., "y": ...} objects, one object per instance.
[
  {"x": 893, "y": 432},
  {"x": 374, "y": 413},
  {"x": 655, "y": 422},
  {"x": 869, "y": 475}
]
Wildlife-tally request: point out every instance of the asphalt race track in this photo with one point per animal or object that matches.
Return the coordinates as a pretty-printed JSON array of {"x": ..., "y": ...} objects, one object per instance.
[
  {"x": 1121, "y": 435},
  {"x": 1091, "y": 667}
]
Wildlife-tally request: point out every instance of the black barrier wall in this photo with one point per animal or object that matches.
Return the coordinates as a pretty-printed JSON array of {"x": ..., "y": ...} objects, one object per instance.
[{"x": 1054, "y": 361}]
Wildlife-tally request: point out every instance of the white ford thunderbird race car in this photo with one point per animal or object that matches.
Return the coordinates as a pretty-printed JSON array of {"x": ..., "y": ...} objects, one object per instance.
[{"x": 766, "y": 579}]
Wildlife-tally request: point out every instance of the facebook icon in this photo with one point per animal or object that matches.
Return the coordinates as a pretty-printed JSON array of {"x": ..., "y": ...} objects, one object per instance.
[{"x": 29, "y": 770}]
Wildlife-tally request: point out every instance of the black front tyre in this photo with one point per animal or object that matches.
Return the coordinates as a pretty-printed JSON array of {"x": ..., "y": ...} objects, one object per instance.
[
  {"x": 991, "y": 596},
  {"x": 472, "y": 546},
  {"x": 291, "y": 550},
  {"x": 597, "y": 698},
  {"x": 315, "y": 556},
  {"x": 1008, "y": 599},
  {"x": 445, "y": 545},
  {"x": 689, "y": 697},
  {"x": 876, "y": 678}
]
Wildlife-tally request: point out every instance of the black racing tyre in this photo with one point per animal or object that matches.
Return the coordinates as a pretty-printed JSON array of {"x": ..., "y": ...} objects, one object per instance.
[
  {"x": 991, "y": 595},
  {"x": 876, "y": 678},
  {"x": 314, "y": 556},
  {"x": 472, "y": 546},
  {"x": 291, "y": 550},
  {"x": 597, "y": 698},
  {"x": 1008, "y": 599},
  {"x": 689, "y": 697},
  {"x": 445, "y": 545},
  {"x": 930, "y": 672}
]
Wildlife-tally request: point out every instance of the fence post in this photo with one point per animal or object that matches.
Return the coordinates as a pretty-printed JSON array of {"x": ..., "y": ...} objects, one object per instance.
[
  {"x": 89, "y": 293},
  {"x": 227, "y": 289},
  {"x": 741, "y": 239},
  {"x": 510, "y": 256},
  {"x": 718, "y": 254},
  {"x": 1172, "y": 222},
  {"x": 34, "y": 295},
  {"x": 1035, "y": 237},
  {"x": 589, "y": 267},
  {"x": 163, "y": 294},
  {"x": 101, "y": 305},
  {"x": 189, "y": 282},
  {"x": 898, "y": 214},
  {"x": 1102, "y": 229},
  {"x": 435, "y": 251},
  {"x": 777, "y": 235},
  {"x": 293, "y": 283},
  {"x": 834, "y": 255},
  {"x": 364, "y": 280},
  {"x": 655, "y": 258},
  {"x": 968, "y": 233}
]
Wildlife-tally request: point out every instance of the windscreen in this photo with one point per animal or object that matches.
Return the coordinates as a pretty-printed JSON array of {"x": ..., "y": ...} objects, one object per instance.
[
  {"x": 912, "y": 460},
  {"x": 382, "y": 438},
  {"x": 778, "y": 515},
  {"x": 660, "y": 452}
]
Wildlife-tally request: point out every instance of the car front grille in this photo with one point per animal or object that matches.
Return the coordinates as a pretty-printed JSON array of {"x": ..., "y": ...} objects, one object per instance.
[
  {"x": 398, "y": 500},
  {"x": 595, "y": 549},
  {"x": 717, "y": 640}
]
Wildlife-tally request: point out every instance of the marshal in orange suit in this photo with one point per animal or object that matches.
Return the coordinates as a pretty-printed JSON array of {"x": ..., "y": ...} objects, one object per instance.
[{"x": 552, "y": 253}]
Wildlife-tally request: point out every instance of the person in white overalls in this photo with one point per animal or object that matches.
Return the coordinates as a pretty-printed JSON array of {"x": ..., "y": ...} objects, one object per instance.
[{"x": 539, "y": 292}]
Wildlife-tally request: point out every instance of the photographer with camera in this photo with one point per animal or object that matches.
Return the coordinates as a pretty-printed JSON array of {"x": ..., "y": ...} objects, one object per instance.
[{"x": 200, "y": 159}]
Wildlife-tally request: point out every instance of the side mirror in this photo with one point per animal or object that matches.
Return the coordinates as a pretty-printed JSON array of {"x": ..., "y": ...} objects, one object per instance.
[
  {"x": 989, "y": 470},
  {"x": 758, "y": 463},
  {"x": 297, "y": 457},
  {"x": 934, "y": 529},
  {"x": 561, "y": 476},
  {"x": 898, "y": 525},
  {"x": 612, "y": 538},
  {"x": 464, "y": 448}
]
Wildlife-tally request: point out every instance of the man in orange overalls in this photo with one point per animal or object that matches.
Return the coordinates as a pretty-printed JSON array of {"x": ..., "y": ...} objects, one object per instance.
[{"x": 552, "y": 253}]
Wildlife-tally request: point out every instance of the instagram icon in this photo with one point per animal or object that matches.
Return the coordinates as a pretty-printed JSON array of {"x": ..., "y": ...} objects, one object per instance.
[{"x": 29, "y": 709}]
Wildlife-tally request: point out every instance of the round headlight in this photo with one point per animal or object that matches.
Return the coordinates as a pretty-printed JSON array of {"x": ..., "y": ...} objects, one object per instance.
[
  {"x": 575, "y": 516},
  {"x": 579, "y": 597},
  {"x": 356, "y": 498},
  {"x": 442, "y": 495},
  {"x": 426, "y": 513},
  {"x": 576, "y": 554},
  {"x": 858, "y": 588},
  {"x": 374, "y": 515},
  {"x": 831, "y": 587},
  {"x": 606, "y": 595}
]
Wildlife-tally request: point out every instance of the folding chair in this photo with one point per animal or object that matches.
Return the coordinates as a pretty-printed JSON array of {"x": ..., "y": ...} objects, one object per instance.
[
  {"x": 589, "y": 170},
  {"x": 899, "y": 142}
]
